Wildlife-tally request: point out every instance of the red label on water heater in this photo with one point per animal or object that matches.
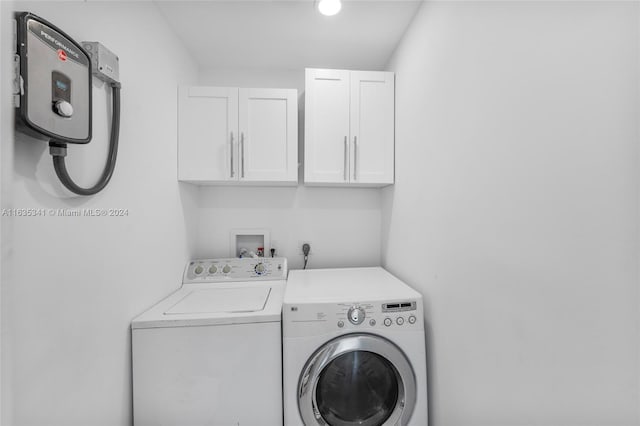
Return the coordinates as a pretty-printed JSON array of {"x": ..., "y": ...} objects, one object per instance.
[{"x": 62, "y": 55}]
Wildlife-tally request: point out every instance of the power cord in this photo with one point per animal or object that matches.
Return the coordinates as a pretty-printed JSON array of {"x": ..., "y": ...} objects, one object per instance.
[
  {"x": 306, "y": 248},
  {"x": 58, "y": 151}
]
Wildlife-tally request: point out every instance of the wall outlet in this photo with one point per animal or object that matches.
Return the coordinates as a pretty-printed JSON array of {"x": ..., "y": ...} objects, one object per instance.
[{"x": 303, "y": 242}]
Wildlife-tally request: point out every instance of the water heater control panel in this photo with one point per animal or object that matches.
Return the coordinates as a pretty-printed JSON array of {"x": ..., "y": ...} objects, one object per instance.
[{"x": 52, "y": 82}]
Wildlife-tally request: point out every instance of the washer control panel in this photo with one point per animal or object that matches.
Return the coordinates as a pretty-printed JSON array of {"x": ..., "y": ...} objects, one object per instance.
[{"x": 235, "y": 269}]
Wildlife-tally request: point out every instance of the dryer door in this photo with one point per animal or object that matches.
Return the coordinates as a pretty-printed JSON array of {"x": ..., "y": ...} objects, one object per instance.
[{"x": 357, "y": 379}]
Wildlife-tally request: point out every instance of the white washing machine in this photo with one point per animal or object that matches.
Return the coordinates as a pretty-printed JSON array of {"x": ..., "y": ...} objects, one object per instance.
[
  {"x": 210, "y": 354},
  {"x": 353, "y": 349}
]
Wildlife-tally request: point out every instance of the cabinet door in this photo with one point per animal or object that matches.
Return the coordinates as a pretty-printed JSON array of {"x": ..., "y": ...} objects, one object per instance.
[
  {"x": 268, "y": 144},
  {"x": 326, "y": 133},
  {"x": 372, "y": 127},
  {"x": 207, "y": 134}
]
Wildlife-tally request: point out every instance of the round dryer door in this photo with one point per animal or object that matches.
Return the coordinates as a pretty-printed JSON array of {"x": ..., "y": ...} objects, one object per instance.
[{"x": 357, "y": 379}]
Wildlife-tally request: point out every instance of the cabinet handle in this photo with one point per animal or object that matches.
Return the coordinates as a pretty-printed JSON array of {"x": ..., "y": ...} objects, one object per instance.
[
  {"x": 231, "y": 156},
  {"x": 355, "y": 157},
  {"x": 242, "y": 154},
  {"x": 346, "y": 151}
]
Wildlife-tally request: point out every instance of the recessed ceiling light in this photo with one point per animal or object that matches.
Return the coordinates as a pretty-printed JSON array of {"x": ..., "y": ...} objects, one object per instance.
[{"x": 329, "y": 7}]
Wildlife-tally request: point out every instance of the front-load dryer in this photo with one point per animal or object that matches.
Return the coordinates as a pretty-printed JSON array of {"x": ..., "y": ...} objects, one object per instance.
[
  {"x": 353, "y": 349},
  {"x": 210, "y": 354}
]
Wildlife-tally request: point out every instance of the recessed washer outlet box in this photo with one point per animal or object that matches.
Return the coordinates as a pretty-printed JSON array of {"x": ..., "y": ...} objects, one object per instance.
[{"x": 249, "y": 239}]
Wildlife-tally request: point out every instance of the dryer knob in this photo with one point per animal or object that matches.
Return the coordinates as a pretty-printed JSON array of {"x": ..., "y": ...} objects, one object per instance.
[
  {"x": 198, "y": 270},
  {"x": 226, "y": 269},
  {"x": 260, "y": 268},
  {"x": 356, "y": 315}
]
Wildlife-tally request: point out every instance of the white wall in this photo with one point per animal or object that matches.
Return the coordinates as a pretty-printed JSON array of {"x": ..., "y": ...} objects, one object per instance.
[
  {"x": 515, "y": 209},
  {"x": 342, "y": 224},
  {"x": 78, "y": 281},
  {"x": 268, "y": 78}
]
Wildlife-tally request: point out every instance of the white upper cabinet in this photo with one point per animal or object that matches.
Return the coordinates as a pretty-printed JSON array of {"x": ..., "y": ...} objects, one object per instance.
[
  {"x": 268, "y": 135},
  {"x": 231, "y": 135},
  {"x": 372, "y": 127},
  {"x": 349, "y": 127},
  {"x": 326, "y": 130},
  {"x": 207, "y": 132}
]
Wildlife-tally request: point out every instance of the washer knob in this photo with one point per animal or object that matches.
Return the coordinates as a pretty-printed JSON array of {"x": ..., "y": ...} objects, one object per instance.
[
  {"x": 213, "y": 269},
  {"x": 198, "y": 270},
  {"x": 388, "y": 322},
  {"x": 412, "y": 319},
  {"x": 356, "y": 315},
  {"x": 226, "y": 269},
  {"x": 400, "y": 321},
  {"x": 260, "y": 268}
]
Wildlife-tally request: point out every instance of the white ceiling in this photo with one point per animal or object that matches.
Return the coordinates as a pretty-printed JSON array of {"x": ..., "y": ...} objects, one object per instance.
[{"x": 289, "y": 35}]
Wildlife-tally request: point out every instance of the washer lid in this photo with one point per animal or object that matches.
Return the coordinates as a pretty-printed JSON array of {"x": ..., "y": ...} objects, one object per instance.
[
  {"x": 216, "y": 304},
  {"x": 213, "y": 301}
]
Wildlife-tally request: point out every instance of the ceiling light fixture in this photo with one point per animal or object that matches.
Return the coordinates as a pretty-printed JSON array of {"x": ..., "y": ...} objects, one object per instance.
[{"x": 329, "y": 7}]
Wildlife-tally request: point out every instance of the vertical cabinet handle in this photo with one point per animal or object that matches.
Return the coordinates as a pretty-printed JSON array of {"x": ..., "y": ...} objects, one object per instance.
[
  {"x": 346, "y": 151},
  {"x": 355, "y": 157},
  {"x": 231, "y": 151},
  {"x": 242, "y": 154}
]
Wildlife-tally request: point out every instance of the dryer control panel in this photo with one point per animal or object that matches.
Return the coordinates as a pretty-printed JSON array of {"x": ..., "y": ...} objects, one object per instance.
[
  {"x": 235, "y": 269},
  {"x": 318, "y": 318},
  {"x": 369, "y": 315}
]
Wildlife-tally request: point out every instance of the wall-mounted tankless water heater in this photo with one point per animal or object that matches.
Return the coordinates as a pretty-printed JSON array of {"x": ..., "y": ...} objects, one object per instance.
[{"x": 52, "y": 91}]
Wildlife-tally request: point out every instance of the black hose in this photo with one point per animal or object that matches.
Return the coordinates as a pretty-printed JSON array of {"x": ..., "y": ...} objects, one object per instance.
[{"x": 58, "y": 151}]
